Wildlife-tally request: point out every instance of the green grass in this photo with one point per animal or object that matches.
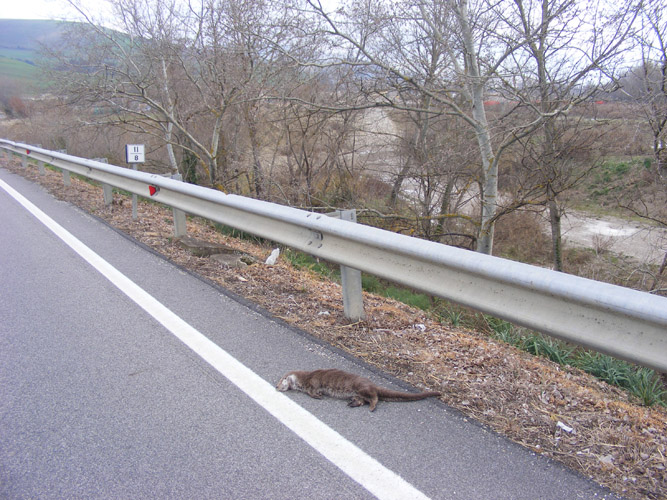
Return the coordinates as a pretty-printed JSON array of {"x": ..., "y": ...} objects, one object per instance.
[
  {"x": 613, "y": 170},
  {"x": 302, "y": 260},
  {"x": 453, "y": 316},
  {"x": 611, "y": 370},
  {"x": 642, "y": 383},
  {"x": 25, "y": 55},
  {"x": 22, "y": 73},
  {"x": 408, "y": 297},
  {"x": 646, "y": 385},
  {"x": 546, "y": 347},
  {"x": 610, "y": 178},
  {"x": 371, "y": 284}
]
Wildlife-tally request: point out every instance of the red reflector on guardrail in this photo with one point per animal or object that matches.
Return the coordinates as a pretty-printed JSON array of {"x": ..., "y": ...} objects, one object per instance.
[{"x": 153, "y": 190}]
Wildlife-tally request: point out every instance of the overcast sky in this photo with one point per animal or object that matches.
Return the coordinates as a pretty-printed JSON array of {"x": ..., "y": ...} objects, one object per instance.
[{"x": 39, "y": 9}]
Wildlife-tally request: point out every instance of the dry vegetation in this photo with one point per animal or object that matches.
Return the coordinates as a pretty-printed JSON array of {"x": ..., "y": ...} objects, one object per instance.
[{"x": 614, "y": 440}]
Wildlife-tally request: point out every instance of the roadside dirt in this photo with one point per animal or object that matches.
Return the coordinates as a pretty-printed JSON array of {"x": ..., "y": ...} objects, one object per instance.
[{"x": 558, "y": 412}]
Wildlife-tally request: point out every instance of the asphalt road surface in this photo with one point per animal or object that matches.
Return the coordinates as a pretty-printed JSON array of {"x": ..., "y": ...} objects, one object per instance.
[{"x": 123, "y": 376}]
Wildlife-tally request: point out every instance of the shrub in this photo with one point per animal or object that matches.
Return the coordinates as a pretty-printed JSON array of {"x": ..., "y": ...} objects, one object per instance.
[
  {"x": 520, "y": 236},
  {"x": 611, "y": 370},
  {"x": 554, "y": 350},
  {"x": 647, "y": 386}
]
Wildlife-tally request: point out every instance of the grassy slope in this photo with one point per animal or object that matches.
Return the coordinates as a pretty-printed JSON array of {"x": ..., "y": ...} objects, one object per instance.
[
  {"x": 25, "y": 76},
  {"x": 20, "y": 43}
]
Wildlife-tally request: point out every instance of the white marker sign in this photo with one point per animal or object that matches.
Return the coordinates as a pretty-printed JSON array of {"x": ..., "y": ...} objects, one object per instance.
[{"x": 134, "y": 153}]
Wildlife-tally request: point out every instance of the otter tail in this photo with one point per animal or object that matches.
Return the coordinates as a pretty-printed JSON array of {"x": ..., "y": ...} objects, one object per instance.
[{"x": 396, "y": 396}]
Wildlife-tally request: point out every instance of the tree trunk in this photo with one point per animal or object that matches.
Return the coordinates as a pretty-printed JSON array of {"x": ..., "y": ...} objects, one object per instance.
[
  {"x": 170, "y": 148},
  {"x": 556, "y": 239},
  {"x": 489, "y": 173},
  {"x": 257, "y": 173},
  {"x": 257, "y": 182},
  {"x": 489, "y": 188}
]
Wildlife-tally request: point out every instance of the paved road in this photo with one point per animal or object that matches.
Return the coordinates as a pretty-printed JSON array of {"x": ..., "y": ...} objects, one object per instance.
[{"x": 116, "y": 390}]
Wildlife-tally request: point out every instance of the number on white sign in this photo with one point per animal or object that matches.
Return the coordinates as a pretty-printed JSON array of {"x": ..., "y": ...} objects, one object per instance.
[{"x": 134, "y": 153}]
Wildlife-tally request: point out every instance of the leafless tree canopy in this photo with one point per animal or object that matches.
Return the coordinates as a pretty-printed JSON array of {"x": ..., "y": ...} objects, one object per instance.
[{"x": 434, "y": 117}]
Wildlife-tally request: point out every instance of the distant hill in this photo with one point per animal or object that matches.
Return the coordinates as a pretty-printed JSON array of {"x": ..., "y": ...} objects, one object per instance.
[
  {"x": 20, "y": 43},
  {"x": 25, "y": 34}
]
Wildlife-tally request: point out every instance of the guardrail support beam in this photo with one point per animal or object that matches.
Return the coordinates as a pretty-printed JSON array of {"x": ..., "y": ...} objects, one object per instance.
[
  {"x": 108, "y": 194},
  {"x": 180, "y": 223},
  {"x": 353, "y": 300},
  {"x": 134, "y": 199}
]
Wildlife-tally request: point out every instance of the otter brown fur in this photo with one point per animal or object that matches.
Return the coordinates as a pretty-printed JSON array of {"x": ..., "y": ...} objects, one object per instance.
[{"x": 344, "y": 385}]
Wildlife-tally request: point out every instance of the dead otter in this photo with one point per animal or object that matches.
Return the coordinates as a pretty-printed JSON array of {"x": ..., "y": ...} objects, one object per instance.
[{"x": 344, "y": 385}]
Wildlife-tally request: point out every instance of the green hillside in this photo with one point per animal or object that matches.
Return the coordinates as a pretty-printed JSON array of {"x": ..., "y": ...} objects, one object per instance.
[
  {"x": 16, "y": 74},
  {"x": 20, "y": 44},
  {"x": 14, "y": 69}
]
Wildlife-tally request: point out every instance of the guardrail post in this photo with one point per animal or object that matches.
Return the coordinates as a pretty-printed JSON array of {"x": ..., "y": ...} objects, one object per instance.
[
  {"x": 40, "y": 165},
  {"x": 180, "y": 223},
  {"x": 24, "y": 161},
  {"x": 134, "y": 199},
  {"x": 353, "y": 300},
  {"x": 66, "y": 178},
  {"x": 108, "y": 194}
]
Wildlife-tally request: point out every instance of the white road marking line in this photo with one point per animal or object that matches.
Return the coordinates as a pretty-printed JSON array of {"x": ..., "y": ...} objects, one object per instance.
[{"x": 364, "y": 469}]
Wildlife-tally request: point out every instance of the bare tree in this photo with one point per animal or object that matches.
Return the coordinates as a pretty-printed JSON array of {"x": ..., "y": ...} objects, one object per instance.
[
  {"x": 652, "y": 74},
  {"x": 565, "y": 53},
  {"x": 646, "y": 85},
  {"x": 412, "y": 47},
  {"x": 11, "y": 99},
  {"x": 321, "y": 154},
  {"x": 177, "y": 72},
  {"x": 451, "y": 54},
  {"x": 544, "y": 166}
]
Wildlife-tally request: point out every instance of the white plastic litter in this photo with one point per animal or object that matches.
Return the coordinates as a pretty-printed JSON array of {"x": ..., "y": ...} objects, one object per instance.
[
  {"x": 273, "y": 258},
  {"x": 566, "y": 428}
]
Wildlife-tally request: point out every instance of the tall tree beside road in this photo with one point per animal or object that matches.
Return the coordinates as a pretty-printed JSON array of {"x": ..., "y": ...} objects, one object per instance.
[
  {"x": 177, "y": 72},
  {"x": 217, "y": 79},
  {"x": 453, "y": 54},
  {"x": 652, "y": 93},
  {"x": 646, "y": 85},
  {"x": 430, "y": 48},
  {"x": 566, "y": 51}
]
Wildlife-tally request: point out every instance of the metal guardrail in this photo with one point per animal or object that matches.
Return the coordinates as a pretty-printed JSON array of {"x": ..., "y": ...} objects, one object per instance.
[{"x": 624, "y": 323}]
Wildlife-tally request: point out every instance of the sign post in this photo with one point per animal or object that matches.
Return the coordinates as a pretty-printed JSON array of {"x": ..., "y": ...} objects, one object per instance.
[{"x": 134, "y": 153}]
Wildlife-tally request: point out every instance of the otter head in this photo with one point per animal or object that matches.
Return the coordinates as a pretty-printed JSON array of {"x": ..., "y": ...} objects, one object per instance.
[{"x": 287, "y": 382}]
